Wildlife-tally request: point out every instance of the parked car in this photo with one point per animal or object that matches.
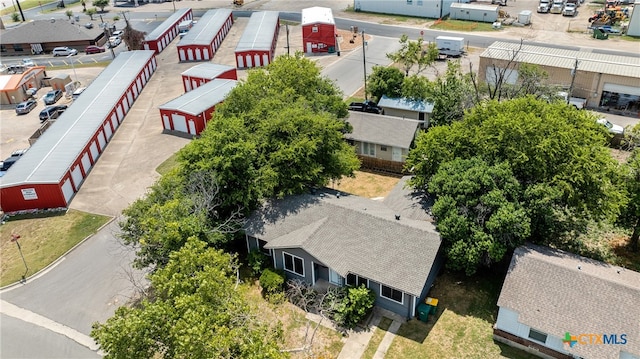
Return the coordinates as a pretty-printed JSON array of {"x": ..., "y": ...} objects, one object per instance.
[
  {"x": 26, "y": 106},
  {"x": 613, "y": 129},
  {"x": 78, "y": 92},
  {"x": 31, "y": 91},
  {"x": 569, "y": 10},
  {"x": 64, "y": 51},
  {"x": 52, "y": 97},
  {"x": 92, "y": 49},
  {"x": 50, "y": 113},
  {"x": 557, "y": 7},
  {"x": 544, "y": 6},
  {"x": 16, "y": 69},
  {"x": 28, "y": 63},
  {"x": 89, "y": 25},
  {"x": 18, "y": 153},
  {"x": 114, "y": 41},
  {"x": 8, "y": 162},
  {"x": 367, "y": 106},
  {"x": 118, "y": 33}
]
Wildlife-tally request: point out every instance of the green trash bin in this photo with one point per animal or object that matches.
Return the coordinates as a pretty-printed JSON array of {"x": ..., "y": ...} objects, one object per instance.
[
  {"x": 332, "y": 49},
  {"x": 423, "y": 312}
]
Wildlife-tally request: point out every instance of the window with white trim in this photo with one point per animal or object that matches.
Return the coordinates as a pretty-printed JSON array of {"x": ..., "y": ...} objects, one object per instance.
[
  {"x": 293, "y": 264},
  {"x": 357, "y": 281},
  {"x": 538, "y": 336},
  {"x": 368, "y": 149},
  {"x": 314, "y": 29},
  {"x": 391, "y": 294}
]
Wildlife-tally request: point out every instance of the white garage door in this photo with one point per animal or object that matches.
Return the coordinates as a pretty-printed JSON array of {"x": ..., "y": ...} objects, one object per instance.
[
  {"x": 130, "y": 97},
  {"x": 86, "y": 162},
  {"x": 165, "y": 122},
  {"x": 107, "y": 130},
  {"x": 179, "y": 122},
  {"x": 265, "y": 60},
  {"x": 187, "y": 85},
  {"x": 240, "y": 61},
  {"x": 120, "y": 113},
  {"x": 114, "y": 121},
  {"x": 101, "y": 141},
  {"x": 198, "y": 54},
  {"x": 94, "y": 151},
  {"x": 67, "y": 190},
  {"x": 249, "y": 63},
  {"x": 182, "y": 56},
  {"x": 76, "y": 175},
  {"x": 256, "y": 60},
  {"x": 629, "y": 90},
  {"x": 190, "y": 54},
  {"x": 192, "y": 127}
]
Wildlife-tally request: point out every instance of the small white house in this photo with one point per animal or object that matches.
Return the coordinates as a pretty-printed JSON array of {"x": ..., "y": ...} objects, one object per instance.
[{"x": 418, "y": 8}]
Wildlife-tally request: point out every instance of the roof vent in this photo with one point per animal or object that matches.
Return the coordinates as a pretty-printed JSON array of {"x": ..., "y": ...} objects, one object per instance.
[
  {"x": 618, "y": 271},
  {"x": 338, "y": 195},
  {"x": 579, "y": 267},
  {"x": 397, "y": 217},
  {"x": 321, "y": 195}
]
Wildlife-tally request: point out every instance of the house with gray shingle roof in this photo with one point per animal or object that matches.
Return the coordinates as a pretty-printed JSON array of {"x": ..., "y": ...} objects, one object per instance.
[
  {"x": 348, "y": 240},
  {"x": 562, "y": 305},
  {"x": 407, "y": 108},
  {"x": 45, "y": 35},
  {"x": 381, "y": 142}
]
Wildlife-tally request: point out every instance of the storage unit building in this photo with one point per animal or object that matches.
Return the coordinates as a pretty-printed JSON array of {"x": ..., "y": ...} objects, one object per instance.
[
  {"x": 203, "y": 73},
  {"x": 160, "y": 38},
  {"x": 52, "y": 171},
  {"x": 474, "y": 12},
  {"x": 607, "y": 81},
  {"x": 204, "y": 39},
  {"x": 190, "y": 112},
  {"x": 318, "y": 30},
  {"x": 257, "y": 45},
  {"x": 416, "y": 8}
]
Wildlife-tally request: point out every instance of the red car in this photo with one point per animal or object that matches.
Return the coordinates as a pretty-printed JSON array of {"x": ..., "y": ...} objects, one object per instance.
[{"x": 93, "y": 49}]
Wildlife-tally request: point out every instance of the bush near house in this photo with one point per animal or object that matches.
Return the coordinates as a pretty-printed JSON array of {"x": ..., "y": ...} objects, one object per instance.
[
  {"x": 257, "y": 261},
  {"x": 272, "y": 283},
  {"x": 354, "y": 306}
]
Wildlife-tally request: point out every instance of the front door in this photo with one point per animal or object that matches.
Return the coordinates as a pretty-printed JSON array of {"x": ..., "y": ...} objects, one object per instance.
[
  {"x": 396, "y": 154},
  {"x": 334, "y": 277}
]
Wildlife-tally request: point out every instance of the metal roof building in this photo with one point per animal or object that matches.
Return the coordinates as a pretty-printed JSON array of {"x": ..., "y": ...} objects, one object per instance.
[
  {"x": 204, "y": 39},
  {"x": 257, "y": 44},
  {"x": 203, "y": 73},
  {"x": 190, "y": 112},
  {"x": 605, "y": 80},
  {"x": 405, "y": 108},
  {"x": 53, "y": 169},
  {"x": 162, "y": 35},
  {"x": 318, "y": 30}
]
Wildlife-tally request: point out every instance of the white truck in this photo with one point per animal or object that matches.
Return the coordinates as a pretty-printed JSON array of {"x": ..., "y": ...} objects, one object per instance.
[
  {"x": 184, "y": 27},
  {"x": 450, "y": 46},
  {"x": 576, "y": 102}
]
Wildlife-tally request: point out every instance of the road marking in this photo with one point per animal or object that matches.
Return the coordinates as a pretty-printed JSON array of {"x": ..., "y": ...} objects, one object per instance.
[{"x": 44, "y": 322}]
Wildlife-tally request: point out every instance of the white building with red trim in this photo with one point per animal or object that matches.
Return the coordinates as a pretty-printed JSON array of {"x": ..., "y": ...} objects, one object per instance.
[
  {"x": 318, "y": 30},
  {"x": 162, "y": 35},
  {"x": 257, "y": 45},
  {"x": 189, "y": 113},
  {"x": 203, "y": 73},
  {"x": 205, "y": 37},
  {"x": 52, "y": 171}
]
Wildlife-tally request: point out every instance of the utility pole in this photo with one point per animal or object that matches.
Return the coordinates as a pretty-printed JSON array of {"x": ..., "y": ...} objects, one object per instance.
[
  {"x": 287, "y": 27},
  {"x": 574, "y": 72},
  {"x": 20, "y": 8},
  {"x": 364, "y": 62}
]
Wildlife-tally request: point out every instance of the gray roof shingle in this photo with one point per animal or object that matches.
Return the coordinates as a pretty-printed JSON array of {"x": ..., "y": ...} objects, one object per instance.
[
  {"x": 351, "y": 234},
  {"x": 557, "y": 292},
  {"x": 382, "y": 130},
  {"x": 409, "y": 203},
  {"x": 44, "y": 31}
]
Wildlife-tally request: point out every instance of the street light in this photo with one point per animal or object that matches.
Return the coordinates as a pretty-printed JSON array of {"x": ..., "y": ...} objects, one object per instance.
[
  {"x": 14, "y": 238},
  {"x": 73, "y": 67}
]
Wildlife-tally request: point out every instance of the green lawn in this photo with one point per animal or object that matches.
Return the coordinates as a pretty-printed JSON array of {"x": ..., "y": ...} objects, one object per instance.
[
  {"x": 462, "y": 327},
  {"x": 461, "y": 25},
  {"x": 168, "y": 164},
  {"x": 42, "y": 240}
]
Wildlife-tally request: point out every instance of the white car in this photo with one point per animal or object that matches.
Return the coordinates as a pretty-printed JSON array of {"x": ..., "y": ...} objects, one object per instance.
[
  {"x": 28, "y": 63},
  {"x": 64, "y": 51},
  {"x": 613, "y": 129},
  {"x": 114, "y": 41}
]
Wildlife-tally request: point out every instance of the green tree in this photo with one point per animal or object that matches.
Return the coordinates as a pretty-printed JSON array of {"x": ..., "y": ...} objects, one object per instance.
[
  {"x": 413, "y": 53},
  {"x": 195, "y": 312},
  {"x": 385, "y": 81},
  {"x": 101, "y": 4},
  {"x": 451, "y": 94},
  {"x": 92, "y": 11},
  {"x": 416, "y": 87},
  {"x": 478, "y": 212},
  {"x": 630, "y": 217},
  {"x": 557, "y": 153},
  {"x": 134, "y": 39},
  {"x": 69, "y": 13}
]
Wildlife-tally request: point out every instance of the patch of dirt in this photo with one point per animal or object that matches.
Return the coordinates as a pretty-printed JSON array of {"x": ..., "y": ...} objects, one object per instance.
[
  {"x": 366, "y": 184},
  {"x": 628, "y": 259}
]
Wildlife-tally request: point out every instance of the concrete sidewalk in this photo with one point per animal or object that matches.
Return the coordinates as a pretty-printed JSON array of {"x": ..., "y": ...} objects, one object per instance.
[{"x": 358, "y": 339}]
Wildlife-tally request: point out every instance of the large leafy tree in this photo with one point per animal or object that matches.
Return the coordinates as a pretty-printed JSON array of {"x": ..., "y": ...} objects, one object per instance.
[
  {"x": 630, "y": 217},
  {"x": 557, "y": 153},
  {"x": 451, "y": 94},
  {"x": 413, "y": 54},
  {"x": 479, "y": 213},
  {"x": 276, "y": 134},
  {"x": 195, "y": 311},
  {"x": 385, "y": 81}
]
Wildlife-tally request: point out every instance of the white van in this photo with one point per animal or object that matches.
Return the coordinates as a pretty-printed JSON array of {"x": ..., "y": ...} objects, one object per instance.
[
  {"x": 78, "y": 92},
  {"x": 64, "y": 51}
]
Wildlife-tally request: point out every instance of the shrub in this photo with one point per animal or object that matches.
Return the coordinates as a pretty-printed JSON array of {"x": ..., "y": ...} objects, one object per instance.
[
  {"x": 15, "y": 17},
  {"x": 272, "y": 283},
  {"x": 257, "y": 261},
  {"x": 357, "y": 303}
]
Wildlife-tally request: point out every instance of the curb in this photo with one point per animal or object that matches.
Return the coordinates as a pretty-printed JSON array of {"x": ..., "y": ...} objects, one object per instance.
[{"x": 55, "y": 262}]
